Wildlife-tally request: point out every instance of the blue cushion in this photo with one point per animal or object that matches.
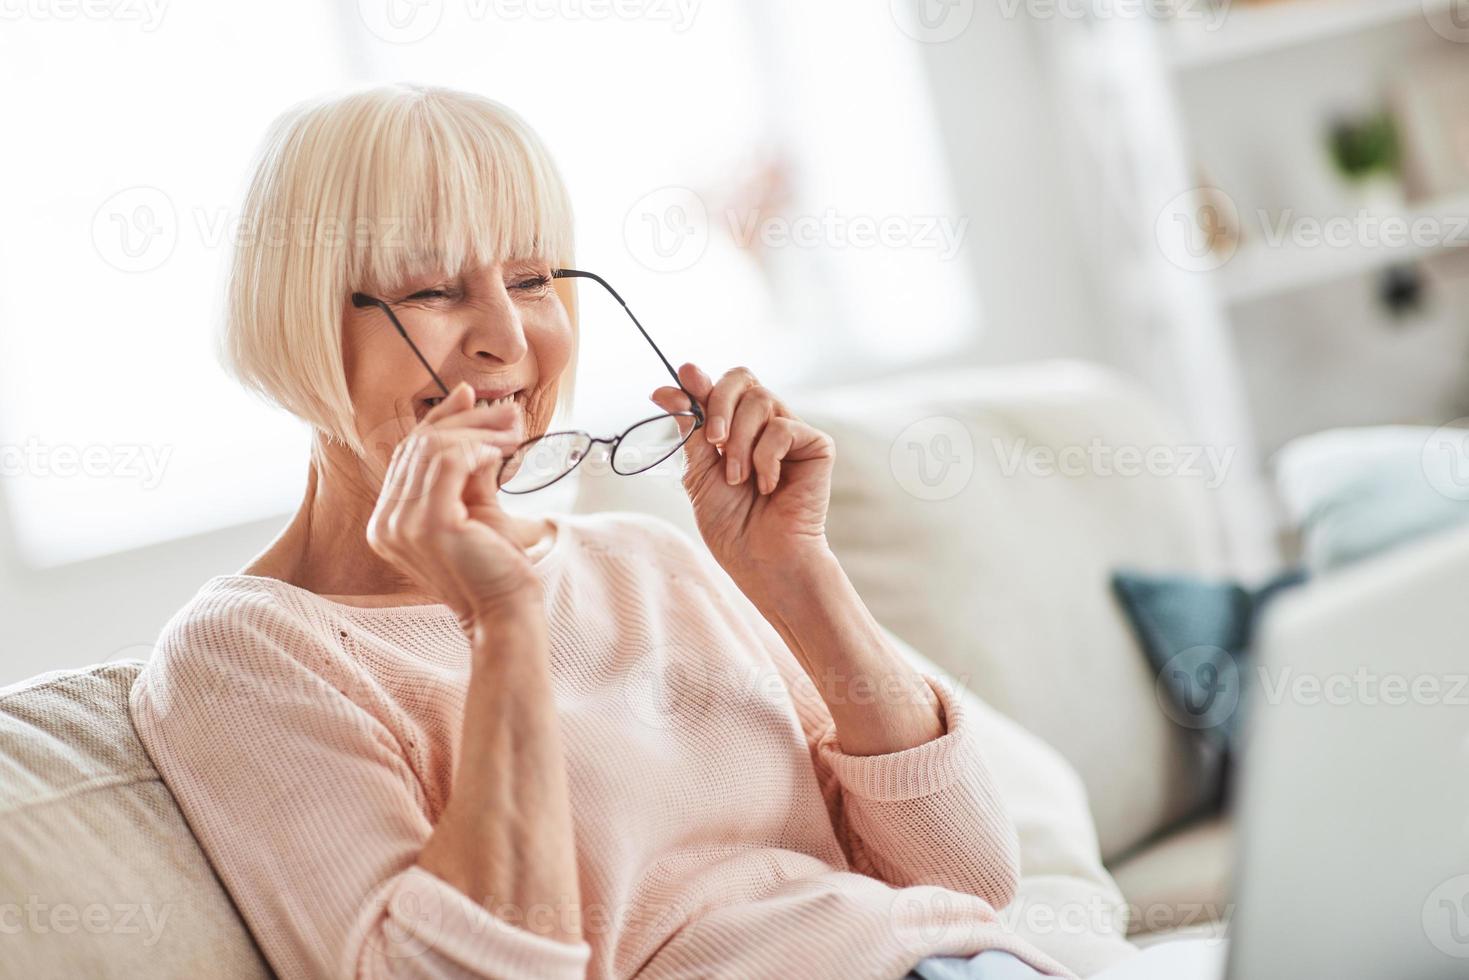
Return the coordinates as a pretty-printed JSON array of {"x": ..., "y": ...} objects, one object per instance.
[{"x": 1196, "y": 634}]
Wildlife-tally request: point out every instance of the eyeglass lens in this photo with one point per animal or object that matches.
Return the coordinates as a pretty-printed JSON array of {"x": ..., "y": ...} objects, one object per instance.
[{"x": 541, "y": 462}]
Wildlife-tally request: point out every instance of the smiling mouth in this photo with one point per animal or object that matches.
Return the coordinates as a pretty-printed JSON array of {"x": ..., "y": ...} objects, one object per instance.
[
  {"x": 516, "y": 397},
  {"x": 480, "y": 402}
]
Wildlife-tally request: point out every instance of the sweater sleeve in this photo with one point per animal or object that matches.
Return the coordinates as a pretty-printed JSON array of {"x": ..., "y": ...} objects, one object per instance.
[
  {"x": 926, "y": 815},
  {"x": 309, "y": 811}
]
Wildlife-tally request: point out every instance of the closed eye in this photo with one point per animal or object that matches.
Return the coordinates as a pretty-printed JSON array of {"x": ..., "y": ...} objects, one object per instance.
[
  {"x": 533, "y": 283},
  {"x": 429, "y": 294}
]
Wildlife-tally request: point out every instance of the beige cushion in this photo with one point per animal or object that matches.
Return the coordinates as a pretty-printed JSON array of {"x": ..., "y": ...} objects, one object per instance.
[
  {"x": 101, "y": 876},
  {"x": 1002, "y": 578},
  {"x": 1180, "y": 884}
]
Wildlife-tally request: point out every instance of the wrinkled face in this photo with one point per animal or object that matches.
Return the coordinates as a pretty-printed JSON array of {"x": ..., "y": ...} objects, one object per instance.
[{"x": 503, "y": 328}]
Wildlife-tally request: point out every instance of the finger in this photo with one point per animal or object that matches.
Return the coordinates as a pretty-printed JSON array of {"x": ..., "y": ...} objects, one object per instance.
[
  {"x": 774, "y": 445},
  {"x": 461, "y": 443},
  {"x": 699, "y": 384},
  {"x": 460, "y": 473},
  {"x": 399, "y": 486},
  {"x": 385, "y": 512},
  {"x": 807, "y": 441},
  {"x": 752, "y": 411},
  {"x": 676, "y": 402},
  {"x": 395, "y": 462},
  {"x": 699, "y": 456},
  {"x": 459, "y": 399},
  {"x": 671, "y": 399},
  {"x": 415, "y": 470},
  {"x": 722, "y": 400},
  {"x": 453, "y": 443},
  {"x": 483, "y": 487},
  {"x": 469, "y": 440},
  {"x": 699, "y": 453},
  {"x": 501, "y": 416},
  {"x": 448, "y": 478},
  {"x": 472, "y": 436},
  {"x": 468, "y": 460}
]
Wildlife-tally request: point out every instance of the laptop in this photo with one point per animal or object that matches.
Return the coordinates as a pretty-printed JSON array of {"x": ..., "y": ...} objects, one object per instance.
[
  {"x": 1353, "y": 793},
  {"x": 1352, "y": 801}
]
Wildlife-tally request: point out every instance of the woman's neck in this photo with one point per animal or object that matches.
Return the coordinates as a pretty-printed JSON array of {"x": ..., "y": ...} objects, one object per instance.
[{"x": 324, "y": 548}]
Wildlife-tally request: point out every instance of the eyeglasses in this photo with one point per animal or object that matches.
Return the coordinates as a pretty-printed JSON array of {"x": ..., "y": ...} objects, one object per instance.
[{"x": 542, "y": 460}]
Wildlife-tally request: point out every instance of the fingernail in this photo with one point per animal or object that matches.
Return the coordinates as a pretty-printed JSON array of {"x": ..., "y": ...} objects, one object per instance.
[
  {"x": 716, "y": 430},
  {"x": 735, "y": 473}
]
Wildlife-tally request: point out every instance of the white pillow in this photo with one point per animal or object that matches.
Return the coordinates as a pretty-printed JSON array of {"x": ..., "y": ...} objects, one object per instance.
[{"x": 1355, "y": 493}]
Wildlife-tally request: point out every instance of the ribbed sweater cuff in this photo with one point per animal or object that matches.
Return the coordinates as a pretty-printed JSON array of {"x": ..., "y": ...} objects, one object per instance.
[
  {"x": 443, "y": 919},
  {"x": 911, "y": 773}
]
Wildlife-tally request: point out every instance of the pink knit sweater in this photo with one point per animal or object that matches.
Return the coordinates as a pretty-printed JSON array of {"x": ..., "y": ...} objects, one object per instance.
[{"x": 720, "y": 831}]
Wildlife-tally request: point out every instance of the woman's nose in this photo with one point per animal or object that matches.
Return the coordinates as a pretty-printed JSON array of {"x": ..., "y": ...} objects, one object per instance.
[{"x": 495, "y": 332}]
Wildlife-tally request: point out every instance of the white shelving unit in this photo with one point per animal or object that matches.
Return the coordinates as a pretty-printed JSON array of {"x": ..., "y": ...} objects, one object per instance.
[
  {"x": 1260, "y": 271},
  {"x": 1245, "y": 31},
  {"x": 1283, "y": 337},
  {"x": 1262, "y": 34},
  {"x": 1321, "y": 339}
]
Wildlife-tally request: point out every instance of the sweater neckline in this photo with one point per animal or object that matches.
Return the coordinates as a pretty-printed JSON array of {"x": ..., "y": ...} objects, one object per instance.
[{"x": 544, "y": 563}]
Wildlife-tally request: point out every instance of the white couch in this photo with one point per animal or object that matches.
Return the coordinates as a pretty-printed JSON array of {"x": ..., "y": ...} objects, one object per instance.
[{"x": 999, "y": 578}]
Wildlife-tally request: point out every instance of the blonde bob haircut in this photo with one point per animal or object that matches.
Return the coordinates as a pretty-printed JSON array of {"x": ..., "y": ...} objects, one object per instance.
[{"x": 366, "y": 191}]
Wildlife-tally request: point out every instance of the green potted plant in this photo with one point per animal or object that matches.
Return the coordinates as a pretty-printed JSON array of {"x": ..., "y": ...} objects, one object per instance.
[{"x": 1365, "y": 152}]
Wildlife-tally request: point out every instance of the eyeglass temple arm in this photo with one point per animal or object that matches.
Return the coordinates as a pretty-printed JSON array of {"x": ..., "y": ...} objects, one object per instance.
[
  {"x": 580, "y": 274},
  {"x": 363, "y": 301}
]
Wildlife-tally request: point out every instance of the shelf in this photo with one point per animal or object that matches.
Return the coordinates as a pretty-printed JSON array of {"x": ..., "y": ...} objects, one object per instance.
[
  {"x": 1248, "y": 31},
  {"x": 1260, "y": 270}
]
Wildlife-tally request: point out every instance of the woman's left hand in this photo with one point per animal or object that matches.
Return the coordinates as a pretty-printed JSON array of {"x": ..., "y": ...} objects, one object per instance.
[{"x": 759, "y": 477}]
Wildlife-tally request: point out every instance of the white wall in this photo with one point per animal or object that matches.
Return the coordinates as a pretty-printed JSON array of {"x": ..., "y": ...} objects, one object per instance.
[{"x": 997, "y": 110}]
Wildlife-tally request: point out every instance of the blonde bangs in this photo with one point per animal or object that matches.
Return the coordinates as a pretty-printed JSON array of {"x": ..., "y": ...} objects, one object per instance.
[
  {"x": 454, "y": 183},
  {"x": 366, "y": 192}
]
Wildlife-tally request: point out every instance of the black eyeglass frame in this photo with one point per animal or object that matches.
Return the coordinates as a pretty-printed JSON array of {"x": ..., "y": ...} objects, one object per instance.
[{"x": 364, "y": 301}]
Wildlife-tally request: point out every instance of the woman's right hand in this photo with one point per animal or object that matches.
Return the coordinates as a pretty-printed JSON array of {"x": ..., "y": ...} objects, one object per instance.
[{"x": 437, "y": 518}]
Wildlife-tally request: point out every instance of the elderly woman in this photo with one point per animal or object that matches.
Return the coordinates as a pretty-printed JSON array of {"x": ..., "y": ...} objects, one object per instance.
[{"x": 420, "y": 736}]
